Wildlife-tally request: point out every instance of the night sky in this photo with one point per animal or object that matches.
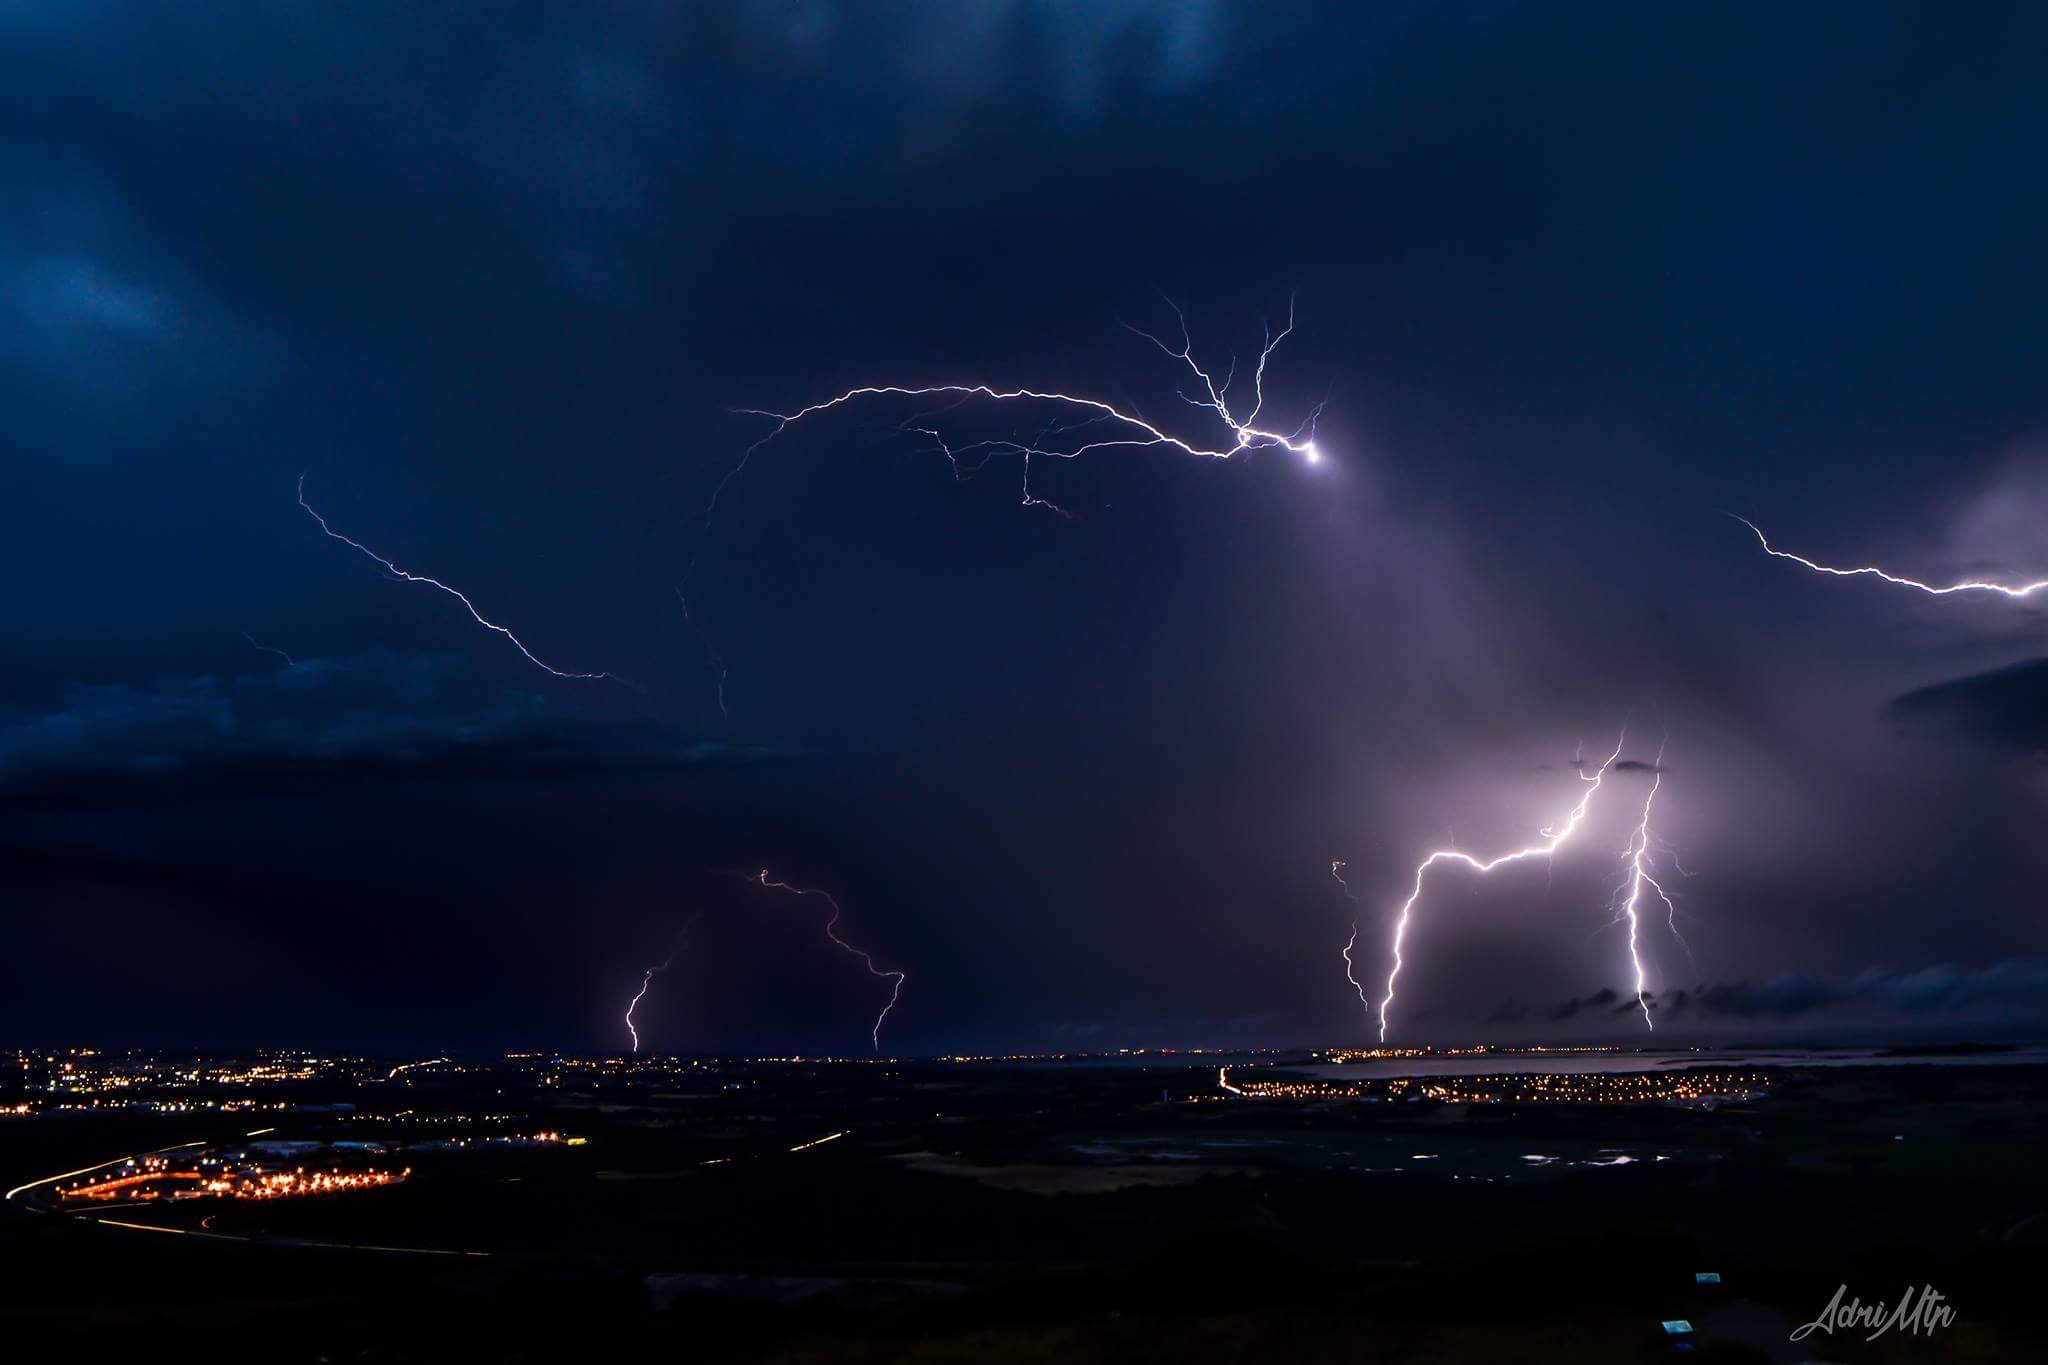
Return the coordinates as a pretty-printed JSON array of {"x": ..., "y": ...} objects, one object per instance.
[{"x": 1575, "y": 282}]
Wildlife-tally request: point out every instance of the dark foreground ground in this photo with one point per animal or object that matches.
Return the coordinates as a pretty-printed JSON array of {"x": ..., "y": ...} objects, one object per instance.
[{"x": 1071, "y": 1213}]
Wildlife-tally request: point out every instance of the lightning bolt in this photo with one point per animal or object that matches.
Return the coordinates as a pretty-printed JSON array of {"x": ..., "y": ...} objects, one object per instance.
[
  {"x": 646, "y": 980},
  {"x": 680, "y": 942},
  {"x": 1553, "y": 839},
  {"x": 832, "y": 932},
  {"x": 1337, "y": 875},
  {"x": 1119, "y": 427},
  {"x": 1079, "y": 425},
  {"x": 254, "y": 643},
  {"x": 468, "y": 605},
  {"x": 711, "y": 652},
  {"x": 1640, "y": 875},
  {"x": 2016, "y": 591}
]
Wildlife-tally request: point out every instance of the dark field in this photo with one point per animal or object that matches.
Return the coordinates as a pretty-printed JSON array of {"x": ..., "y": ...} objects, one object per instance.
[{"x": 1072, "y": 1212}]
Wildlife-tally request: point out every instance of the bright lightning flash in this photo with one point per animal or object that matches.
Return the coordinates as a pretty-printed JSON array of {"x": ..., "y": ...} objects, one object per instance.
[
  {"x": 468, "y": 605},
  {"x": 1093, "y": 425},
  {"x": 1073, "y": 425},
  {"x": 1637, "y": 855},
  {"x": 647, "y": 977},
  {"x": 2019, "y": 590},
  {"x": 832, "y": 932},
  {"x": 1641, "y": 875},
  {"x": 646, "y": 980}
]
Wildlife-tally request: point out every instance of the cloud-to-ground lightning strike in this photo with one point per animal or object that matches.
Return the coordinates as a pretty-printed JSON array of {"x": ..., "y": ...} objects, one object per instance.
[
  {"x": 646, "y": 980},
  {"x": 1337, "y": 875},
  {"x": 832, "y": 932},
  {"x": 468, "y": 605},
  {"x": 1118, "y": 427},
  {"x": 1553, "y": 839},
  {"x": 2019, "y": 590},
  {"x": 1629, "y": 895},
  {"x": 681, "y": 941}
]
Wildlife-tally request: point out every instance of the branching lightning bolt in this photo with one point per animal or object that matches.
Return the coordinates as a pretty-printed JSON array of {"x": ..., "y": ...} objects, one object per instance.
[
  {"x": 1121, "y": 428},
  {"x": 832, "y": 932},
  {"x": 1553, "y": 839},
  {"x": 1092, "y": 424},
  {"x": 1079, "y": 425},
  {"x": 1337, "y": 875},
  {"x": 468, "y": 605},
  {"x": 1629, "y": 895},
  {"x": 1628, "y": 900},
  {"x": 646, "y": 980},
  {"x": 2021, "y": 590}
]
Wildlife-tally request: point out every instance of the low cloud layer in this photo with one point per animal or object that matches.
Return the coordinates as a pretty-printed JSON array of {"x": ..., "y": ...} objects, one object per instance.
[
  {"x": 371, "y": 711},
  {"x": 1938, "y": 988},
  {"x": 2004, "y": 708}
]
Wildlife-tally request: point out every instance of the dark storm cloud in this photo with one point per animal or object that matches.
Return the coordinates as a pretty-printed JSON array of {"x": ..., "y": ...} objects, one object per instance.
[
  {"x": 463, "y": 166},
  {"x": 1569, "y": 1009},
  {"x": 1940, "y": 987},
  {"x": 375, "y": 711},
  {"x": 1572, "y": 275},
  {"x": 2005, "y": 708}
]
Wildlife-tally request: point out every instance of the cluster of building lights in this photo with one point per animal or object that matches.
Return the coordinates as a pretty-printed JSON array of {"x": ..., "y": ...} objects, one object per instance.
[
  {"x": 1547, "y": 1088},
  {"x": 142, "y": 1105},
  {"x": 435, "y": 1119},
  {"x": 153, "y": 1178},
  {"x": 1383, "y": 1054},
  {"x": 545, "y": 1139},
  {"x": 1299, "y": 1089},
  {"x": 1648, "y": 1088},
  {"x": 296, "y": 1183},
  {"x": 87, "y": 1071}
]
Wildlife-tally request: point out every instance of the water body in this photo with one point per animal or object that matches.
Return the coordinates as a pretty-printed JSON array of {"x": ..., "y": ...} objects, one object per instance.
[{"x": 1632, "y": 1062}]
